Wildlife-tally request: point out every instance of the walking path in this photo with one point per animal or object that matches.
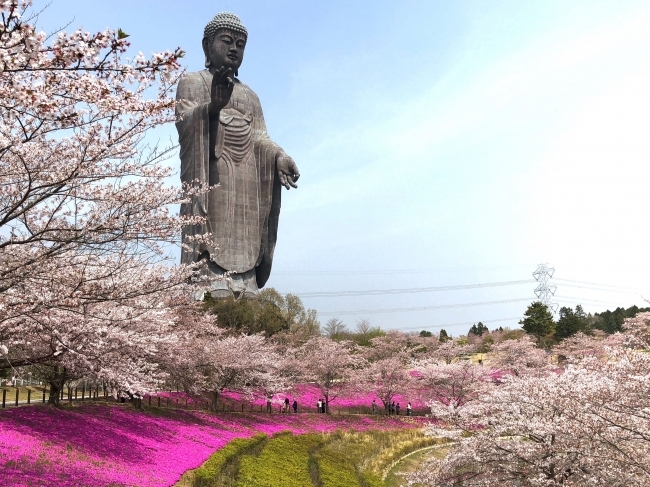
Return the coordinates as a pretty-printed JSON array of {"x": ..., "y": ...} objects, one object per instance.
[{"x": 402, "y": 465}]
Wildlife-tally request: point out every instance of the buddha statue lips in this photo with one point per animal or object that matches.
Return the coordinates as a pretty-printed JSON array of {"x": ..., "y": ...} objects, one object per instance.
[{"x": 224, "y": 142}]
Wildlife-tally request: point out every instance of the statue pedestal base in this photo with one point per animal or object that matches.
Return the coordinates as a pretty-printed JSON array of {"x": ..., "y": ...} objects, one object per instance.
[{"x": 225, "y": 284}]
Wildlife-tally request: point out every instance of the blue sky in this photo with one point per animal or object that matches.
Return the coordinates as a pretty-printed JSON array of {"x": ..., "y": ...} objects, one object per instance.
[{"x": 440, "y": 144}]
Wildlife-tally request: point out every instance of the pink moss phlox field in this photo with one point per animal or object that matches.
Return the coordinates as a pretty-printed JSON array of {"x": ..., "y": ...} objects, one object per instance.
[{"x": 100, "y": 446}]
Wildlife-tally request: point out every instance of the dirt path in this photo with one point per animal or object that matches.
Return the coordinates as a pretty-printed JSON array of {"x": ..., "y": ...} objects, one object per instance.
[{"x": 409, "y": 463}]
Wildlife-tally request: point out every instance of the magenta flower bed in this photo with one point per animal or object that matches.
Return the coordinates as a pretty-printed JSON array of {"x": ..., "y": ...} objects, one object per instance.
[{"x": 101, "y": 446}]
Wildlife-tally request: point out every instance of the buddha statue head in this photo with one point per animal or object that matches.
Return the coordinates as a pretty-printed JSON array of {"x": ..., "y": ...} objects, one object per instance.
[{"x": 224, "y": 41}]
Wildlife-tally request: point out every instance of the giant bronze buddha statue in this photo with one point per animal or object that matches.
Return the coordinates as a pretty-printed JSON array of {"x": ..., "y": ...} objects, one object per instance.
[{"x": 224, "y": 142}]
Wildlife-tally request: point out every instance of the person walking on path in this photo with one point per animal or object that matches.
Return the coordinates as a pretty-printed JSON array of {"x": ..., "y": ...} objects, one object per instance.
[
  {"x": 409, "y": 410},
  {"x": 320, "y": 405},
  {"x": 374, "y": 407},
  {"x": 286, "y": 404},
  {"x": 397, "y": 409},
  {"x": 295, "y": 406}
]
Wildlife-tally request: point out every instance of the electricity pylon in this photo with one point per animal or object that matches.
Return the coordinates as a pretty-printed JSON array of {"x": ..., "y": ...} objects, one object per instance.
[{"x": 544, "y": 291}]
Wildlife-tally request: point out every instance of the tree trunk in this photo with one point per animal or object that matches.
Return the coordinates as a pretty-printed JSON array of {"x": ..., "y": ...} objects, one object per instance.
[
  {"x": 57, "y": 382},
  {"x": 215, "y": 396},
  {"x": 135, "y": 401},
  {"x": 327, "y": 403}
]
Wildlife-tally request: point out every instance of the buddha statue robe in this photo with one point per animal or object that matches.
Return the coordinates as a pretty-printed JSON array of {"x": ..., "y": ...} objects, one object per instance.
[{"x": 236, "y": 155}]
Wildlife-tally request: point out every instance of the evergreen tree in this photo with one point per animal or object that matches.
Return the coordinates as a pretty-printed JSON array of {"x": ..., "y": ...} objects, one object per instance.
[
  {"x": 538, "y": 321},
  {"x": 425, "y": 333},
  {"x": 478, "y": 329},
  {"x": 612, "y": 321},
  {"x": 570, "y": 322},
  {"x": 443, "y": 336}
]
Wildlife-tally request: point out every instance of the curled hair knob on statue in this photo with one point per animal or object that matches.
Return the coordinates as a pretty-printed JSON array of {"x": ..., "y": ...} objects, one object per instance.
[{"x": 224, "y": 20}]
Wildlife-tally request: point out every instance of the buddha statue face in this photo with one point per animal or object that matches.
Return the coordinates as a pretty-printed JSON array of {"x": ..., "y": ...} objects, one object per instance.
[{"x": 226, "y": 49}]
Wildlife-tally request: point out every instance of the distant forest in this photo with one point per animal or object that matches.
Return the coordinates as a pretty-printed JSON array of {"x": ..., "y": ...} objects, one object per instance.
[
  {"x": 612, "y": 321},
  {"x": 569, "y": 322}
]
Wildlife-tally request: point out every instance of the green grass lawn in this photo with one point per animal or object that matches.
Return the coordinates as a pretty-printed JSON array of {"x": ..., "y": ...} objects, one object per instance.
[{"x": 340, "y": 459}]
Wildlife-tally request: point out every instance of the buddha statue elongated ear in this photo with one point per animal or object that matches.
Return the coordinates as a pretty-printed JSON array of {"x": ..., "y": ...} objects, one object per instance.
[{"x": 206, "y": 52}]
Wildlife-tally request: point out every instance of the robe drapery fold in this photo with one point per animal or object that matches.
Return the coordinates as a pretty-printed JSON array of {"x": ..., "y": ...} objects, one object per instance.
[{"x": 242, "y": 212}]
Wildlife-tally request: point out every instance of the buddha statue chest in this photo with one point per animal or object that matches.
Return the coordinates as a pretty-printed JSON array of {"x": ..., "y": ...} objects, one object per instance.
[
  {"x": 234, "y": 139},
  {"x": 235, "y": 219}
]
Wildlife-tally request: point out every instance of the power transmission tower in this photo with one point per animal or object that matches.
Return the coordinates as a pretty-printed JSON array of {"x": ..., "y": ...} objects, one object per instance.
[{"x": 544, "y": 291}]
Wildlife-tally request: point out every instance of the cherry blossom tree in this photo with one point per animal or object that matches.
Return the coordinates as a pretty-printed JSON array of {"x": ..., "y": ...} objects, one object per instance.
[
  {"x": 637, "y": 330},
  {"x": 389, "y": 345},
  {"x": 280, "y": 377},
  {"x": 518, "y": 357},
  {"x": 450, "y": 350},
  {"x": 332, "y": 366},
  {"x": 588, "y": 425},
  {"x": 581, "y": 346},
  {"x": 393, "y": 344},
  {"x": 449, "y": 386},
  {"x": 85, "y": 280},
  {"x": 387, "y": 378},
  {"x": 426, "y": 343},
  {"x": 245, "y": 363},
  {"x": 181, "y": 359}
]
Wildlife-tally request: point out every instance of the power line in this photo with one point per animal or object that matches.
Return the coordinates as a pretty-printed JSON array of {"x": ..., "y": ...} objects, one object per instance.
[
  {"x": 591, "y": 288},
  {"x": 388, "y": 271},
  {"x": 626, "y": 289},
  {"x": 423, "y": 308},
  {"x": 376, "y": 292},
  {"x": 582, "y": 300}
]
